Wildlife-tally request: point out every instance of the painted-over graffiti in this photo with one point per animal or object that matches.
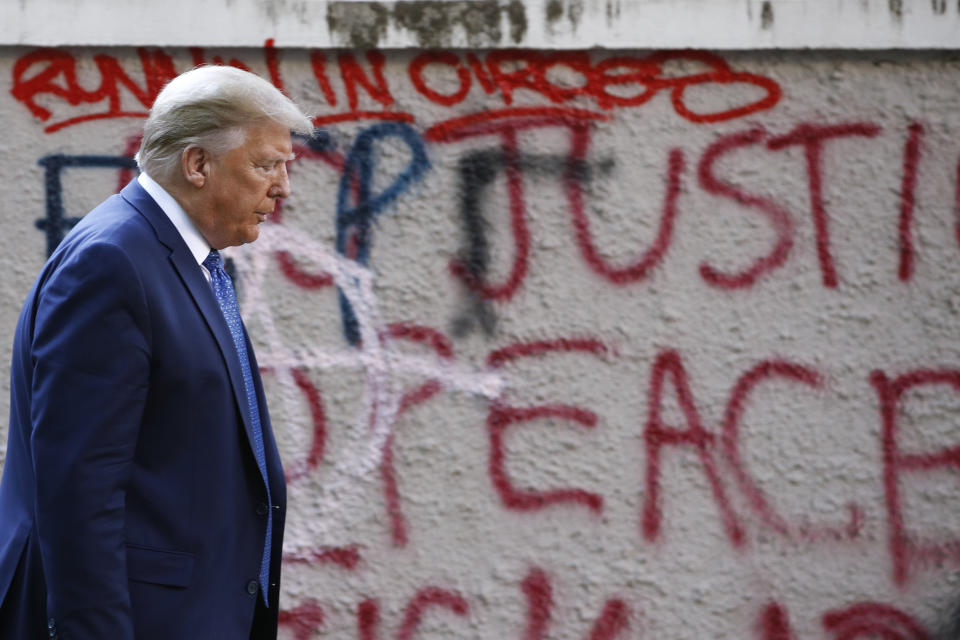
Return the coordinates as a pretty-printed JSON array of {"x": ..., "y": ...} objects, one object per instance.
[{"x": 588, "y": 345}]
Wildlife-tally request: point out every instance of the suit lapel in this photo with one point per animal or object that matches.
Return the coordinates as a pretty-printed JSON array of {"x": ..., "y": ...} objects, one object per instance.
[{"x": 201, "y": 292}]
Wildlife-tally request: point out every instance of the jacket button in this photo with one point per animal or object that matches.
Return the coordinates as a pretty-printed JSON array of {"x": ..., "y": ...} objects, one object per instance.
[
  {"x": 51, "y": 624},
  {"x": 262, "y": 509},
  {"x": 252, "y": 587}
]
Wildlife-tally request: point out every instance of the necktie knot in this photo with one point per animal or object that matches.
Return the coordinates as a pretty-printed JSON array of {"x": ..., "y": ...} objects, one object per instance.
[{"x": 213, "y": 261}]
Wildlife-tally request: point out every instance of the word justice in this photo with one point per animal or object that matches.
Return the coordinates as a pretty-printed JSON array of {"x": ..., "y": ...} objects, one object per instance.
[{"x": 575, "y": 169}]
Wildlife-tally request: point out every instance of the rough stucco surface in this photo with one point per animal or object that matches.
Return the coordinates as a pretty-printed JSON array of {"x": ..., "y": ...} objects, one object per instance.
[
  {"x": 535, "y": 24},
  {"x": 665, "y": 370}
]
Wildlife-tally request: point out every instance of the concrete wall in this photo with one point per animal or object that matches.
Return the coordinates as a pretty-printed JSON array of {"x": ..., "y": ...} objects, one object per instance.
[
  {"x": 550, "y": 24},
  {"x": 576, "y": 345}
]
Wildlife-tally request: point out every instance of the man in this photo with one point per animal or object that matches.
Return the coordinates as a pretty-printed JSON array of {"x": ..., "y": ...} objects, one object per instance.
[{"x": 142, "y": 495}]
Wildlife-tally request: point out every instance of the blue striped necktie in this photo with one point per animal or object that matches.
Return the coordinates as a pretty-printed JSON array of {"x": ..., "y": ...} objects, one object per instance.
[{"x": 223, "y": 289}]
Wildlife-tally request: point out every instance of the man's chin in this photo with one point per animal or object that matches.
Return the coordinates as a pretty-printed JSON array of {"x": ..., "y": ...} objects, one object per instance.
[{"x": 252, "y": 234}]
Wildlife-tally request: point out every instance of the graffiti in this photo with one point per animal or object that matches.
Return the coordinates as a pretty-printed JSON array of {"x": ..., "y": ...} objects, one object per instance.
[
  {"x": 812, "y": 138},
  {"x": 303, "y": 620},
  {"x": 354, "y": 222},
  {"x": 538, "y": 591},
  {"x": 477, "y": 172},
  {"x": 52, "y": 73},
  {"x": 774, "y": 623},
  {"x": 531, "y": 71},
  {"x": 656, "y": 435},
  {"x": 779, "y": 219},
  {"x": 573, "y": 170},
  {"x": 872, "y": 619},
  {"x": 769, "y": 370},
  {"x": 444, "y": 350},
  {"x": 374, "y": 353},
  {"x": 577, "y": 344},
  {"x": 502, "y": 416},
  {"x": 57, "y": 223},
  {"x": 911, "y": 157},
  {"x": 368, "y": 612},
  {"x": 896, "y": 463},
  {"x": 862, "y": 620},
  {"x": 58, "y": 77}
]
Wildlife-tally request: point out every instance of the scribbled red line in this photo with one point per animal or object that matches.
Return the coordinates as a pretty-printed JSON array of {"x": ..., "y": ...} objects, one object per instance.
[
  {"x": 731, "y": 430},
  {"x": 501, "y": 417},
  {"x": 482, "y": 76},
  {"x": 721, "y": 74},
  {"x": 889, "y": 393},
  {"x": 614, "y": 620},
  {"x": 434, "y": 339},
  {"x": 443, "y": 347},
  {"x": 518, "y": 227},
  {"x": 500, "y": 127},
  {"x": 498, "y": 420},
  {"x": 94, "y": 116},
  {"x": 272, "y": 58},
  {"x": 419, "y": 395},
  {"x": 777, "y": 216},
  {"x": 345, "y": 557},
  {"x": 368, "y": 619},
  {"x": 285, "y": 260},
  {"x": 812, "y": 138},
  {"x": 911, "y": 158},
  {"x": 457, "y": 128},
  {"x": 581, "y": 224},
  {"x": 865, "y": 618},
  {"x": 774, "y": 93},
  {"x": 897, "y": 537},
  {"x": 518, "y": 223},
  {"x": 774, "y": 623},
  {"x": 426, "y": 598},
  {"x": 539, "y": 595},
  {"x": 398, "y": 523},
  {"x": 524, "y": 349},
  {"x": 318, "y": 418},
  {"x": 934, "y": 555},
  {"x": 353, "y": 74},
  {"x": 290, "y": 270},
  {"x": 304, "y": 620},
  {"x": 357, "y": 116},
  {"x": 415, "y": 71},
  {"x": 657, "y": 435},
  {"x": 318, "y": 62},
  {"x": 925, "y": 462}
]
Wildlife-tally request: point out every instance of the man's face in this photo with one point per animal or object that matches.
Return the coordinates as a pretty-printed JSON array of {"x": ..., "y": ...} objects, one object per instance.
[{"x": 243, "y": 186}]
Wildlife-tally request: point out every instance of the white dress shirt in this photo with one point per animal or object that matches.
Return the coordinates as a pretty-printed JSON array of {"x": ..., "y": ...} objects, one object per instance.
[{"x": 188, "y": 230}]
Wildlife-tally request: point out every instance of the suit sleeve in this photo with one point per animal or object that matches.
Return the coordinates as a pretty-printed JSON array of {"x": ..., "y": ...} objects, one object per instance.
[{"x": 91, "y": 371}]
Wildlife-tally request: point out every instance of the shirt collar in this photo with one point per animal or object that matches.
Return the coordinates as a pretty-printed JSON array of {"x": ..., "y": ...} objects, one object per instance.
[{"x": 188, "y": 230}]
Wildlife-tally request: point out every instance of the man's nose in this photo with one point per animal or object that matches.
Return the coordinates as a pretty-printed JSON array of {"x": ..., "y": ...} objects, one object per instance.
[{"x": 281, "y": 188}]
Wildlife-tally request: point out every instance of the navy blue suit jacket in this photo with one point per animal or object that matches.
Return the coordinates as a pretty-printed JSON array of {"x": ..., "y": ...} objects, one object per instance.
[{"x": 131, "y": 505}]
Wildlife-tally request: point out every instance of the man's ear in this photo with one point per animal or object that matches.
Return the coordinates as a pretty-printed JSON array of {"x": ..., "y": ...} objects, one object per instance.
[{"x": 195, "y": 164}]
